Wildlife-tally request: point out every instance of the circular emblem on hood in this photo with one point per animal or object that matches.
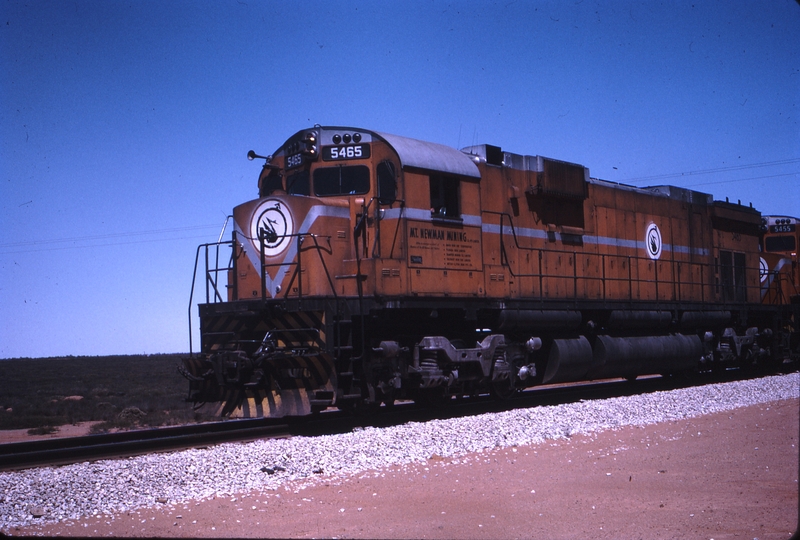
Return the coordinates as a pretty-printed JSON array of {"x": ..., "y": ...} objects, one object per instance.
[
  {"x": 272, "y": 223},
  {"x": 763, "y": 269},
  {"x": 652, "y": 241}
]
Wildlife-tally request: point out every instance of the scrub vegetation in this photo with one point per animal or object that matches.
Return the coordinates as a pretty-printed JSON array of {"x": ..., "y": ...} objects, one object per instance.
[{"x": 119, "y": 392}]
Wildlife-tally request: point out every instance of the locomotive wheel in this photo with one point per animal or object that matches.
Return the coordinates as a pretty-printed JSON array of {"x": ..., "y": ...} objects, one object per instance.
[
  {"x": 388, "y": 399},
  {"x": 360, "y": 408},
  {"x": 503, "y": 390},
  {"x": 434, "y": 397}
]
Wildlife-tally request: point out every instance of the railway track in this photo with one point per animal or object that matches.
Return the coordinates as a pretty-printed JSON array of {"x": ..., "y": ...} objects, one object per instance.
[{"x": 65, "y": 450}]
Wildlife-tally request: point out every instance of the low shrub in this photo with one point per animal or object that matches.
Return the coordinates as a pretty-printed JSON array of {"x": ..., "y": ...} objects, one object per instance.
[
  {"x": 42, "y": 430},
  {"x": 42, "y": 392}
]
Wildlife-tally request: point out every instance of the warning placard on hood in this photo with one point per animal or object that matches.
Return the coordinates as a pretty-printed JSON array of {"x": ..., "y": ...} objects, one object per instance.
[{"x": 431, "y": 246}]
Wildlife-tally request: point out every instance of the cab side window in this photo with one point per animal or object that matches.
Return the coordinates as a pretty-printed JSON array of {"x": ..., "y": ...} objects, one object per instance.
[
  {"x": 270, "y": 183},
  {"x": 298, "y": 184},
  {"x": 731, "y": 268},
  {"x": 444, "y": 196},
  {"x": 387, "y": 182}
]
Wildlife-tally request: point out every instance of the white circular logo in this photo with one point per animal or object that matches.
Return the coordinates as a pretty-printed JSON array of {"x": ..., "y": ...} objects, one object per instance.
[
  {"x": 652, "y": 240},
  {"x": 272, "y": 222},
  {"x": 763, "y": 269}
]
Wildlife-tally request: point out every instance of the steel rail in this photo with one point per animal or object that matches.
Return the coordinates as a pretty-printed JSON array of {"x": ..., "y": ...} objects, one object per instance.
[{"x": 65, "y": 450}]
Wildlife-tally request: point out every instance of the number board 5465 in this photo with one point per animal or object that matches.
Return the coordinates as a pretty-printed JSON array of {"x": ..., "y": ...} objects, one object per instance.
[{"x": 336, "y": 153}]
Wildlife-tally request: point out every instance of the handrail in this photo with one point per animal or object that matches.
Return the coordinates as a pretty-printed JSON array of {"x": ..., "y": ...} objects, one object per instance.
[
  {"x": 773, "y": 293},
  {"x": 212, "y": 271},
  {"x": 209, "y": 280},
  {"x": 672, "y": 289},
  {"x": 298, "y": 264}
]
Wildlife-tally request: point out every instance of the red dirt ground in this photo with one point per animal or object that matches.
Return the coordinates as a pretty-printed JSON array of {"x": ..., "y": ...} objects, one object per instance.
[
  {"x": 69, "y": 430},
  {"x": 721, "y": 476}
]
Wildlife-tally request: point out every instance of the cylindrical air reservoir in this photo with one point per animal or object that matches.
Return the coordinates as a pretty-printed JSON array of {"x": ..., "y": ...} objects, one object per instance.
[
  {"x": 626, "y": 356},
  {"x": 569, "y": 360}
]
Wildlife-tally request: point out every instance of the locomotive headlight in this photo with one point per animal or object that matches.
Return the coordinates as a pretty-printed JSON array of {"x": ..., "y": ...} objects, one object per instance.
[
  {"x": 346, "y": 138},
  {"x": 309, "y": 146}
]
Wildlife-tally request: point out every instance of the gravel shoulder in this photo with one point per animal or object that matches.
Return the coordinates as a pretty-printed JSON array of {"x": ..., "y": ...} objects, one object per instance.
[{"x": 727, "y": 474}]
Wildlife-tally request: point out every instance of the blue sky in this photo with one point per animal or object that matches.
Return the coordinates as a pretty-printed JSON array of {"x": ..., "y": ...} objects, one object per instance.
[{"x": 124, "y": 125}]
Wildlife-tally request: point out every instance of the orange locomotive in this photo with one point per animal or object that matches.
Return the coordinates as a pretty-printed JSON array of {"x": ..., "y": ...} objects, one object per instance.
[
  {"x": 374, "y": 267},
  {"x": 780, "y": 275}
]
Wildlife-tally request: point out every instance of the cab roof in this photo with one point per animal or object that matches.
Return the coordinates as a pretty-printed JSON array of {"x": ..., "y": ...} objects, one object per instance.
[{"x": 431, "y": 156}]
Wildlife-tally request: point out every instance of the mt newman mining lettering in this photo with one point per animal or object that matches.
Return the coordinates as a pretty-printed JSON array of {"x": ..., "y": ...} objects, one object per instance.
[{"x": 438, "y": 234}]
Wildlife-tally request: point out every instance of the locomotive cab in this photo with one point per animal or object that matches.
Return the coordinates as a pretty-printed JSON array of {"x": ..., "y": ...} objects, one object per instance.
[{"x": 779, "y": 244}]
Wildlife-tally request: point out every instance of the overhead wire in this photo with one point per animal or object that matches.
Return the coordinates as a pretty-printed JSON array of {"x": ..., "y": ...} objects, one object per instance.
[
  {"x": 106, "y": 236},
  {"x": 92, "y": 241},
  {"x": 713, "y": 171},
  {"x": 743, "y": 179},
  {"x": 88, "y": 246}
]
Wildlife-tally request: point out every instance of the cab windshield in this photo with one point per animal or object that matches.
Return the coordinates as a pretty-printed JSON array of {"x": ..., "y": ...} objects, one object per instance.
[
  {"x": 780, "y": 243},
  {"x": 341, "y": 180}
]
